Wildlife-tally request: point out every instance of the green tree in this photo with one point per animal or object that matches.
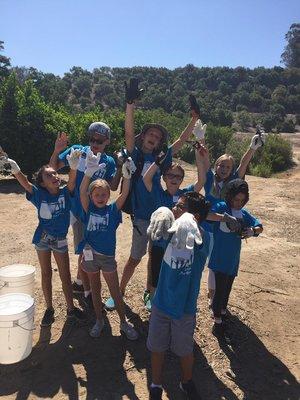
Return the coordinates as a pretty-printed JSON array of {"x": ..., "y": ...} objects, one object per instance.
[
  {"x": 291, "y": 55},
  {"x": 4, "y": 63}
]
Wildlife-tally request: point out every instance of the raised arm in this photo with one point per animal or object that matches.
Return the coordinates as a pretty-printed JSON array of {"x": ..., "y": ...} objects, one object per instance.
[
  {"x": 201, "y": 156},
  {"x": 128, "y": 170},
  {"x": 21, "y": 178},
  {"x": 73, "y": 160},
  {"x": 84, "y": 197},
  {"x": 148, "y": 176},
  {"x": 92, "y": 165},
  {"x": 256, "y": 142},
  {"x": 132, "y": 94},
  {"x": 61, "y": 143}
]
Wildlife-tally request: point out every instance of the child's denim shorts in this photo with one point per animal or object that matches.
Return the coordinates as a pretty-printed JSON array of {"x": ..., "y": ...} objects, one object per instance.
[{"x": 49, "y": 242}]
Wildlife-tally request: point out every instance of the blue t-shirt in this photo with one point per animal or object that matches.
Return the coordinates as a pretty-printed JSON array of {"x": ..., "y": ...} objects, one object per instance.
[
  {"x": 179, "y": 279},
  {"x": 163, "y": 198},
  {"x": 215, "y": 191},
  {"x": 107, "y": 172},
  {"x": 100, "y": 228},
  {"x": 225, "y": 256},
  {"x": 53, "y": 212},
  {"x": 143, "y": 204}
]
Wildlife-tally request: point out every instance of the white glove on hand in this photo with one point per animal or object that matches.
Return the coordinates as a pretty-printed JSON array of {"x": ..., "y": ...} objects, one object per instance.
[
  {"x": 257, "y": 141},
  {"x": 161, "y": 220},
  {"x": 186, "y": 232},
  {"x": 92, "y": 163},
  {"x": 13, "y": 165},
  {"x": 199, "y": 130},
  {"x": 73, "y": 158},
  {"x": 128, "y": 168}
]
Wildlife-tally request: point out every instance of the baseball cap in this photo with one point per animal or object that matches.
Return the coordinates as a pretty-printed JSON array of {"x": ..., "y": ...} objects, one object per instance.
[{"x": 100, "y": 128}]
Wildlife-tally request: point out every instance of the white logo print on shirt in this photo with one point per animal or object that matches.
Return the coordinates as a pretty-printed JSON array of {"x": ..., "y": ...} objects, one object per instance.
[
  {"x": 50, "y": 210},
  {"x": 179, "y": 259},
  {"x": 98, "y": 222}
]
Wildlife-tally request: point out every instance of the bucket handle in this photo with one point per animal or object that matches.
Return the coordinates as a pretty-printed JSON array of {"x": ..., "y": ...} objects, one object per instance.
[
  {"x": 16, "y": 324},
  {"x": 2, "y": 285}
]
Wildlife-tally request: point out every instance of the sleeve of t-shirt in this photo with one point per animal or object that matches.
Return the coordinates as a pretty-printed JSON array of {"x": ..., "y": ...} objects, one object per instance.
[
  {"x": 219, "y": 207},
  {"x": 110, "y": 169},
  {"x": 34, "y": 197},
  {"x": 189, "y": 188},
  {"x": 250, "y": 220},
  {"x": 209, "y": 181},
  {"x": 63, "y": 156}
]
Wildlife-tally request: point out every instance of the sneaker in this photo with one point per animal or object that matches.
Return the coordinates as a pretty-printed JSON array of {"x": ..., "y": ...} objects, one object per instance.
[
  {"x": 128, "y": 330},
  {"x": 97, "y": 328},
  {"x": 76, "y": 314},
  {"x": 110, "y": 304},
  {"x": 88, "y": 302},
  {"x": 155, "y": 393},
  {"x": 78, "y": 289},
  {"x": 190, "y": 390},
  {"x": 146, "y": 295},
  {"x": 48, "y": 317},
  {"x": 218, "y": 330},
  {"x": 148, "y": 305}
]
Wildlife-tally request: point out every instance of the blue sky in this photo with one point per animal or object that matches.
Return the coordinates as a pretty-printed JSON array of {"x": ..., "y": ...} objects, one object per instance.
[{"x": 55, "y": 35}]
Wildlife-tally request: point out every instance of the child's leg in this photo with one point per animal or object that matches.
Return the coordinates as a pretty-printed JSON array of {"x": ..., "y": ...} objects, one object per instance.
[
  {"x": 112, "y": 281},
  {"x": 95, "y": 284},
  {"x": 83, "y": 276},
  {"x": 46, "y": 272},
  {"x": 187, "y": 363},
  {"x": 63, "y": 264},
  {"x": 221, "y": 282},
  {"x": 157, "y": 254},
  {"x": 157, "y": 363},
  {"x": 128, "y": 271},
  {"x": 211, "y": 285},
  {"x": 228, "y": 288}
]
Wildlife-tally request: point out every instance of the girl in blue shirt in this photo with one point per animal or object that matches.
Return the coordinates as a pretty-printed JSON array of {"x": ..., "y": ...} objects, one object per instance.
[
  {"x": 225, "y": 257},
  {"x": 98, "y": 246},
  {"x": 53, "y": 204}
]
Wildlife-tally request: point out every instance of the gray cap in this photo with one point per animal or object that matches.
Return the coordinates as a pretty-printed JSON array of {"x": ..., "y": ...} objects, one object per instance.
[{"x": 100, "y": 128}]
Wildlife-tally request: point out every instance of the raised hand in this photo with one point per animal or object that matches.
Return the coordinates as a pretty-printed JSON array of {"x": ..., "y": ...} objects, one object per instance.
[
  {"x": 128, "y": 168},
  {"x": 258, "y": 140},
  {"x": 61, "y": 142},
  {"x": 132, "y": 91},
  {"x": 194, "y": 107},
  {"x": 92, "y": 163},
  {"x": 185, "y": 232},
  {"x": 199, "y": 130},
  {"x": 160, "y": 158},
  {"x": 73, "y": 158},
  {"x": 161, "y": 220}
]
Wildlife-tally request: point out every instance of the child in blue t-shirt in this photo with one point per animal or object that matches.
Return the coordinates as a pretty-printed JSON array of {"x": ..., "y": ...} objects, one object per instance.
[
  {"x": 98, "y": 246},
  {"x": 143, "y": 149},
  {"x": 225, "y": 257},
  {"x": 53, "y": 204},
  {"x": 99, "y": 135},
  {"x": 173, "y": 315}
]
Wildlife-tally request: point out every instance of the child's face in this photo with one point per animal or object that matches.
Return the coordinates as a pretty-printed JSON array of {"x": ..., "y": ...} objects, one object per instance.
[
  {"x": 179, "y": 208},
  {"x": 98, "y": 143},
  {"x": 51, "y": 179},
  {"x": 223, "y": 169},
  {"x": 100, "y": 196},
  {"x": 152, "y": 138},
  {"x": 173, "y": 178},
  {"x": 238, "y": 201}
]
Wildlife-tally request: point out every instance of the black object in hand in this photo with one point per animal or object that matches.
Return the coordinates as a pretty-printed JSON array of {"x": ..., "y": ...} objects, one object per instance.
[
  {"x": 161, "y": 156},
  {"x": 132, "y": 91},
  {"x": 194, "y": 104}
]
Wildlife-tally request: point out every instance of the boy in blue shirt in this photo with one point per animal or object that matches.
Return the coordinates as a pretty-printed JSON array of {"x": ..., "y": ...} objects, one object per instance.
[
  {"x": 173, "y": 316},
  {"x": 225, "y": 257}
]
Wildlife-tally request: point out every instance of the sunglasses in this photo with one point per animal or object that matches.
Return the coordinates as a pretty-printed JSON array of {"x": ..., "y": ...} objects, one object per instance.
[
  {"x": 174, "y": 176},
  {"x": 97, "y": 141}
]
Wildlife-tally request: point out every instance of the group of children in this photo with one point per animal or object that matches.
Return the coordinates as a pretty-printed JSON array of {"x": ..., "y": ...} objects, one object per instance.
[{"x": 181, "y": 229}]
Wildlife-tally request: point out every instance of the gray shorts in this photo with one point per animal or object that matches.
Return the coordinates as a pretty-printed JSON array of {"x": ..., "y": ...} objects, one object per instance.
[
  {"x": 78, "y": 232},
  {"x": 139, "y": 238},
  {"x": 100, "y": 262},
  {"x": 49, "y": 242},
  {"x": 169, "y": 333}
]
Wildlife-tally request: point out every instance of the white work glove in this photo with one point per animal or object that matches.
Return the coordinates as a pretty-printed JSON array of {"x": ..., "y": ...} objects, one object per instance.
[
  {"x": 233, "y": 224},
  {"x": 73, "y": 158},
  {"x": 161, "y": 220},
  {"x": 199, "y": 130},
  {"x": 128, "y": 168},
  {"x": 185, "y": 232},
  {"x": 12, "y": 165},
  {"x": 257, "y": 141},
  {"x": 92, "y": 163}
]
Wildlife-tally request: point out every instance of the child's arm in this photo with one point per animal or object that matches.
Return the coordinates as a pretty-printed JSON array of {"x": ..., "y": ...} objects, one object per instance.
[
  {"x": 256, "y": 142},
  {"x": 128, "y": 169},
  {"x": 21, "y": 178},
  {"x": 132, "y": 94},
  {"x": 73, "y": 160},
  {"x": 201, "y": 154},
  {"x": 61, "y": 143},
  {"x": 92, "y": 165},
  {"x": 148, "y": 176},
  {"x": 84, "y": 197}
]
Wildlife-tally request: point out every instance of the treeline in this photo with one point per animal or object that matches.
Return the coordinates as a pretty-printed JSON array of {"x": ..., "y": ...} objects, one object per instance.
[{"x": 226, "y": 95}]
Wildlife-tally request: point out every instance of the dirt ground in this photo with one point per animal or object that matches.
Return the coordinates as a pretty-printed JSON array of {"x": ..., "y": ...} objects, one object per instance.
[{"x": 261, "y": 363}]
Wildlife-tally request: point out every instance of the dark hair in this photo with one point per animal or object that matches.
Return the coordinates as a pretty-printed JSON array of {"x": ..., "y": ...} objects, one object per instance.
[
  {"x": 38, "y": 176},
  {"x": 197, "y": 205},
  {"x": 235, "y": 187}
]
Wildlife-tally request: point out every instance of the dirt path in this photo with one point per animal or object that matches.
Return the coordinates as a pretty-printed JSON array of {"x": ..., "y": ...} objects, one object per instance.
[{"x": 262, "y": 362}]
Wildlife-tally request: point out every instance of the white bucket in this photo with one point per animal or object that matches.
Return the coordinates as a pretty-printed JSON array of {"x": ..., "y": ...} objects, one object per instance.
[
  {"x": 16, "y": 327},
  {"x": 17, "y": 278}
]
